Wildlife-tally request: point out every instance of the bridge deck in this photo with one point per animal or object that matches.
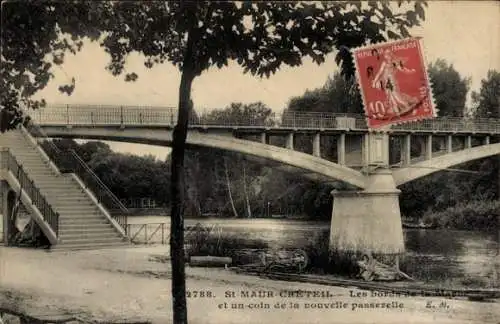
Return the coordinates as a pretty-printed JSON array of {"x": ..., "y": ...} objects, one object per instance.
[{"x": 153, "y": 117}]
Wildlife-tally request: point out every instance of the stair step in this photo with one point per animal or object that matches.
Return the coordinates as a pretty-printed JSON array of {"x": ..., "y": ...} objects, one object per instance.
[
  {"x": 64, "y": 205},
  {"x": 84, "y": 226},
  {"x": 87, "y": 207},
  {"x": 88, "y": 235},
  {"x": 30, "y": 162},
  {"x": 27, "y": 156},
  {"x": 38, "y": 167},
  {"x": 82, "y": 215},
  {"x": 39, "y": 171},
  {"x": 14, "y": 140},
  {"x": 57, "y": 185},
  {"x": 95, "y": 246},
  {"x": 72, "y": 222},
  {"x": 30, "y": 158},
  {"x": 83, "y": 231},
  {"x": 68, "y": 193},
  {"x": 86, "y": 213},
  {"x": 71, "y": 198},
  {"x": 84, "y": 219},
  {"x": 92, "y": 240},
  {"x": 61, "y": 188},
  {"x": 114, "y": 237},
  {"x": 54, "y": 180},
  {"x": 83, "y": 208},
  {"x": 40, "y": 174},
  {"x": 77, "y": 203}
]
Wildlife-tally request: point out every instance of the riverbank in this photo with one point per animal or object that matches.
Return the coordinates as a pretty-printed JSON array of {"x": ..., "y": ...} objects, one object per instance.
[
  {"x": 438, "y": 256},
  {"x": 122, "y": 283},
  {"x": 473, "y": 215}
]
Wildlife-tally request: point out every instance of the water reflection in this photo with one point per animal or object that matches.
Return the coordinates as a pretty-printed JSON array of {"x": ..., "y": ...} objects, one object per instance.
[{"x": 456, "y": 257}]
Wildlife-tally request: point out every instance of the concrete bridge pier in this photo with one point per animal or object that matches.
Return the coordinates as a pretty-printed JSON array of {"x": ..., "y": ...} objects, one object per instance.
[
  {"x": 406, "y": 150},
  {"x": 317, "y": 145},
  {"x": 368, "y": 221}
]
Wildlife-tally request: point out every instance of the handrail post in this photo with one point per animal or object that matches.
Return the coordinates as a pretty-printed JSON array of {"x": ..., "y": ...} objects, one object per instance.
[
  {"x": 121, "y": 116},
  {"x": 67, "y": 114}
]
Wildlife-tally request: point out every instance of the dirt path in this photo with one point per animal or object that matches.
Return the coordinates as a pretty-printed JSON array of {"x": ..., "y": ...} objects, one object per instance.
[{"x": 122, "y": 283}]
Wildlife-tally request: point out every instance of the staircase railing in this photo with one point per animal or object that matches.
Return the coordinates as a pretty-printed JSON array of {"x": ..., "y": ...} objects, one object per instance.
[
  {"x": 103, "y": 194},
  {"x": 28, "y": 186},
  {"x": 70, "y": 162}
]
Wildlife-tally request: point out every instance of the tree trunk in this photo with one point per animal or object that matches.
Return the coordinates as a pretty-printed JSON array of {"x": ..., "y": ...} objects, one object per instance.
[
  {"x": 249, "y": 210},
  {"x": 235, "y": 213},
  {"x": 178, "y": 187}
]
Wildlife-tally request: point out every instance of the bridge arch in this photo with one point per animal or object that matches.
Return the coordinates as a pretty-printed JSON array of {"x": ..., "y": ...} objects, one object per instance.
[
  {"x": 163, "y": 137},
  {"x": 424, "y": 168}
]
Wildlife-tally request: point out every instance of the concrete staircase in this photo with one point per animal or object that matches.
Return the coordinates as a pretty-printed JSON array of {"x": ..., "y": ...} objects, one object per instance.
[{"x": 82, "y": 223}]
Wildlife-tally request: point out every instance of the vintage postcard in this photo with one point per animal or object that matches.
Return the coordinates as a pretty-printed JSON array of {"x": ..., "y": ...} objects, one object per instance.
[{"x": 250, "y": 162}]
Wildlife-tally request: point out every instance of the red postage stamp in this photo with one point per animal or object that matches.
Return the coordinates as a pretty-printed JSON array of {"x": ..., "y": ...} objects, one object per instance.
[{"x": 394, "y": 83}]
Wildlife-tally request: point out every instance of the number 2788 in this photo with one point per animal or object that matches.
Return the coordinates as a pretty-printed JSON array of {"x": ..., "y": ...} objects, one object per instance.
[{"x": 199, "y": 294}]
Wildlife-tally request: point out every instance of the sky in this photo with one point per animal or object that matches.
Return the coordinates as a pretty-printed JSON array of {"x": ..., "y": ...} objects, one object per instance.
[{"x": 464, "y": 33}]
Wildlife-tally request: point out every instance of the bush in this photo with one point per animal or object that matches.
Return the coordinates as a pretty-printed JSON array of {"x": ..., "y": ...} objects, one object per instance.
[
  {"x": 475, "y": 215},
  {"x": 203, "y": 243},
  {"x": 242, "y": 250}
]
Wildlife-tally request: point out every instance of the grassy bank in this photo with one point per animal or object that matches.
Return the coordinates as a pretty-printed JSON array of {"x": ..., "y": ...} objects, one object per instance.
[
  {"x": 244, "y": 250},
  {"x": 474, "y": 215}
]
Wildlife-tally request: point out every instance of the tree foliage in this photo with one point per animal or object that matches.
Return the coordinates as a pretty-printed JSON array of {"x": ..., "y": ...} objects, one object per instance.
[
  {"x": 36, "y": 36},
  {"x": 488, "y": 97},
  {"x": 133, "y": 177},
  {"x": 256, "y": 113},
  {"x": 338, "y": 95},
  {"x": 260, "y": 36},
  {"x": 449, "y": 88}
]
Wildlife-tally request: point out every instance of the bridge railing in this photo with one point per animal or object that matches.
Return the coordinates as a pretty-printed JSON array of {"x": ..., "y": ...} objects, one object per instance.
[
  {"x": 70, "y": 162},
  {"x": 167, "y": 116},
  {"x": 453, "y": 124},
  {"x": 9, "y": 162}
]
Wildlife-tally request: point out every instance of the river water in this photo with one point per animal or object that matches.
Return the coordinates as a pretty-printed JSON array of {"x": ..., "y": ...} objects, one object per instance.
[{"x": 441, "y": 256}]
